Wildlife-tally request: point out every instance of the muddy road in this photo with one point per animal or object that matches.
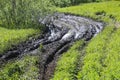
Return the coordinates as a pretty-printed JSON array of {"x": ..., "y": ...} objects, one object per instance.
[{"x": 61, "y": 32}]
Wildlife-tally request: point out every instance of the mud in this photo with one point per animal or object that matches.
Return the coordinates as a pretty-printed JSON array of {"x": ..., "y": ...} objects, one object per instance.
[{"x": 62, "y": 31}]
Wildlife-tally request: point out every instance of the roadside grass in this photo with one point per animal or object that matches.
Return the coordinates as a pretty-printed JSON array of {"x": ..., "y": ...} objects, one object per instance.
[
  {"x": 105, "y": 11},
  {"x": 112, "y": 58},
  {"x": 25, "y": 68},
  {"x": 10, "y": 37},
  {"x": 102, "y": 59},
  {"x": 67, "y": 64},
  {"x": 95, "y": 55}
]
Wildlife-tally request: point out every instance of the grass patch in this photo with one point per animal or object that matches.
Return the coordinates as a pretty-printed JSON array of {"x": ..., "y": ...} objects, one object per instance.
[
  {"x": 10, "y": 37},
  {"x": 25, "y": 68}
]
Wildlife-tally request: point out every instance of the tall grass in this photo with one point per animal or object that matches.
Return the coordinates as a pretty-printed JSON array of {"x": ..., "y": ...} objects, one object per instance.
[{"x": 23, "y": 13}]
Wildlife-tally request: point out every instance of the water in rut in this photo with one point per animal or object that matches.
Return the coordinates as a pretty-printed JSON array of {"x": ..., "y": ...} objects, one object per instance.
[{"x": 62, "y": 31}]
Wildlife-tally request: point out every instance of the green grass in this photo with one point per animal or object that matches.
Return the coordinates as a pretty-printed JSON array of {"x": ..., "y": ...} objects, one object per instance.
[
  {"x": 95, "y": 55},
  {"x": 102, "y": 54},
  {"x": 25, "y": 68},
  {"x": 105, "y": 11},
  {"x": 10, "y": 37},
  {"x": 102, "y": 58},
  {"x": 67, "y": 64},
  {"x": 112, "y": 58}
]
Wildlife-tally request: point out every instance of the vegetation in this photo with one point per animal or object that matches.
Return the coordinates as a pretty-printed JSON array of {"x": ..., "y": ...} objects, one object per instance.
[
  {"x": 23, "y": 13},
  {"x": 25, "y": 68},
  {"x": 64, "y": 3},
  {"x": 95, "y": 55},
  {"x": 102, "y": 59},
  {"x": 104, "y": 11}
]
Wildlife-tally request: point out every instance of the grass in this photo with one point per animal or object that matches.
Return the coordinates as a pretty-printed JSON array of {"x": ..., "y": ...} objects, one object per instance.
[
  {"x": 10, "y": 37},
  {"x": 95, "y": 55},
  {"x": 112, "y": 58},
  {"x": 67, "y": 64},
  {"x": 105, "y": 11},
  {"x": 102, "y": 54},
  {"x": 102, "y": 58},
  {"x": 25, "y": 68}
]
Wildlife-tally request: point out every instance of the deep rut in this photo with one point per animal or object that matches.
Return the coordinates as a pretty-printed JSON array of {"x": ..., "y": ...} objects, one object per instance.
[
  {"x": 49, "y": 58},
  {"x": 62, "y": 30}
]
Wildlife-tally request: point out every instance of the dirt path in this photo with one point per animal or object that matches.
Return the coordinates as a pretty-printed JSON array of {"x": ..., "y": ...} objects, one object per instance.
[{"x": 62, "y": 31}]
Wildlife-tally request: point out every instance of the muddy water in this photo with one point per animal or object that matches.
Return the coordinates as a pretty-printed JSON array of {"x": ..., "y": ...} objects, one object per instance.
[
  {"x": 68, "y": 27},
  {"x": 62, "y": 31}
]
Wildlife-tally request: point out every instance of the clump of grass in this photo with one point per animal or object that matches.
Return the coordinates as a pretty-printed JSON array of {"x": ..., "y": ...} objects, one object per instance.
[
  {"x": 21, "y": 69},
  {"x": 9, "y": 37},
  {"x": 67, "y": 64}
]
